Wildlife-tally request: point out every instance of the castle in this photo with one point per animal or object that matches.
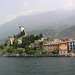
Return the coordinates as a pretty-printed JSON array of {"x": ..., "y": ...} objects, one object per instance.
[{"x": 10, "y": 40}]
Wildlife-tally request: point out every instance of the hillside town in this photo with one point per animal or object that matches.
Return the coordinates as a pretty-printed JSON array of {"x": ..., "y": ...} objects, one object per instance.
[{"x": 23, "y": 44}]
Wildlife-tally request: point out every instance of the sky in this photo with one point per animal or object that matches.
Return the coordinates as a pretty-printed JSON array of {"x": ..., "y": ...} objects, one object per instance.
[{"x": 10, "y": 9}]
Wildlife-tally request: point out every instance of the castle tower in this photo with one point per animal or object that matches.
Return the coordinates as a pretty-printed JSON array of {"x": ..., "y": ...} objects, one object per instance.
[{"x": 21, "y": 28}]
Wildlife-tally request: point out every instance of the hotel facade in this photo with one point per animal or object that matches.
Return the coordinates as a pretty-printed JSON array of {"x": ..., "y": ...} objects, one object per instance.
[{"x": 71, "y": 46}]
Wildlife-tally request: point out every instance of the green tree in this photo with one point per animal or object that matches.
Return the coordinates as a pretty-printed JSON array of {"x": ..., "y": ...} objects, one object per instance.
[
  {"x": 41, "y": 36},
  {"x": 40, "y": 45},
  {"x": 10, "y": 50},
  {"x": 44, "y": 52},
  {"x": 37, "y": 37},
  {"x": 19, "y": 51},
  {"x": 1, "y": 46},
  {"x": 27, "y": 49},
  {"x": 15, "y": 44}
]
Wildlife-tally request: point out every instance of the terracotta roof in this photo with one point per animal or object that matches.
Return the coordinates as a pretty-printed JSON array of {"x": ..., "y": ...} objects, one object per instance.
[
  {"x": 55, "y": 43},
  {"x": 51, "y": 44},
  {"x": 63, "y": 42}
]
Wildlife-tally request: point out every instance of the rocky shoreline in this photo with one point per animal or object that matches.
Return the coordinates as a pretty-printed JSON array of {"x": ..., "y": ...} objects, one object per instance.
[{"x": 36, "y": 55}]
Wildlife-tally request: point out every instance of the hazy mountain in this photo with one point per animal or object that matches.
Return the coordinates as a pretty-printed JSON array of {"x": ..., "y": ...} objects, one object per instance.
[
  {"x": 46, "y": 32},
  {"x": 2, "y": 41},
  {"x": 50, "y": 23},
  {"x": 68, "y": 32},
  {"x": 30, "y": 23},
  {"x": 70, "y": 21}
]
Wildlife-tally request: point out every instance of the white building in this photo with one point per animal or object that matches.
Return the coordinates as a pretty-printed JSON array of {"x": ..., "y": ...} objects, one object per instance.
[
  {"x": 9, "y": 40},
  {"x": 19, "y": 40},
  {"x": 71, "y": 46}
]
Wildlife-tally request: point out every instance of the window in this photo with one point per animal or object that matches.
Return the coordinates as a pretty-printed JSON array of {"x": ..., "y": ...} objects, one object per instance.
[
  {"x": 74, "y": 46},
  {"x": 69, "y": 43},
  {"x": 72, "y": 43}
]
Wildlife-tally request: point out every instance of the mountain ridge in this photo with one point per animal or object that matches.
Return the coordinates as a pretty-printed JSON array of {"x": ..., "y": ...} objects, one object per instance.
[{"x": 51, "y": 22}]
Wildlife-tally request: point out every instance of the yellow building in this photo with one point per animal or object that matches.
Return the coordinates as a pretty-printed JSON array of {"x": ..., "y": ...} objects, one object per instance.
[{"x": 63, "y": 48}]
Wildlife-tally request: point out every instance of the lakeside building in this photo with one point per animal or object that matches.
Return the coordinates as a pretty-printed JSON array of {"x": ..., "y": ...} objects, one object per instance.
[
  {"x": 20, "y": 40},
  {"x": 10, "y": 40},
  {"x": 50, "y": 46},
  {"x": 63, "y": 48},
  {"x": 49, "y": 40},
  {"x": 71, "y": 46},
  {"x": 58, "y": 40},
  {"x": 52, "y": 40},
  {"x": 36, "y": 43}
]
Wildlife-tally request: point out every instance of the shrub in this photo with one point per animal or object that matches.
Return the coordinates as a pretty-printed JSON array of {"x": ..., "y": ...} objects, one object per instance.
[
  {"x": 55, "y": 52},
  {"x": 10, "y": 50},
  {"x": 19, "y": 51},
  {"x": 44, "y": 52}
]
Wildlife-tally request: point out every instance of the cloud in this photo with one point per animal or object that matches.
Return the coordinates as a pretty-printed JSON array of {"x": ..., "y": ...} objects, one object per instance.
[
  {"x": 23, "y": 13},
  {"x": 70, "y": 5},
  {"x": 13, "y": 16},
  {"x": 27, "y": 8},
  {"x": 28, "y": 12},
  {"x": 25, "y": 4},
  {"x": 35, "y": 11},
  {"x": 8, "y": 18}
]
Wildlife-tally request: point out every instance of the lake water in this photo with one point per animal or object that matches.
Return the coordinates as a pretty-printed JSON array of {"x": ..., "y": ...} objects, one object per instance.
[{"x": 37, "y": 65}]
